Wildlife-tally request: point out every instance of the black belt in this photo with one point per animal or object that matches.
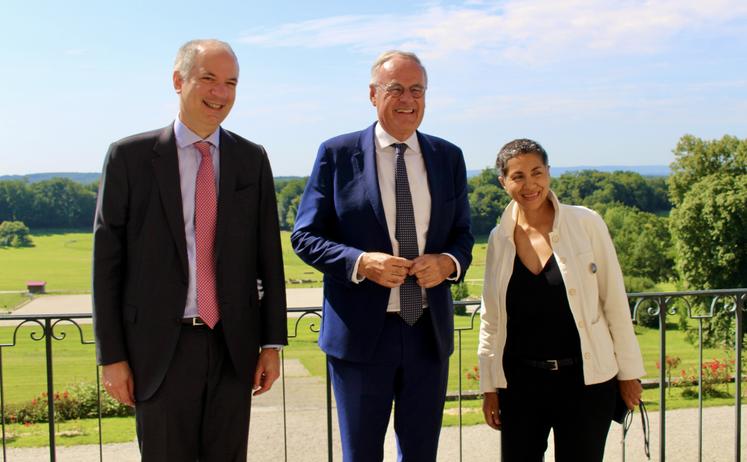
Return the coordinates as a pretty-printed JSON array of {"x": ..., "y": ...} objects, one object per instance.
[
  {"x": 550, "y": 364},
  {"x": 193, "y": 322}
]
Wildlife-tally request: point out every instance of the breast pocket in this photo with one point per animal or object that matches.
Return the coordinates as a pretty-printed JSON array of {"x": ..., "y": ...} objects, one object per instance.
[
  {"x": 243, "y": 208},
  {"x": 587, "y": 273}
]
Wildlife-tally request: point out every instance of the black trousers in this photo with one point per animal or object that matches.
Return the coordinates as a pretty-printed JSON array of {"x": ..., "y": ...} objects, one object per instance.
[
  {"x": 538, "y": 400},
  {"x": 201, "y": 410}
]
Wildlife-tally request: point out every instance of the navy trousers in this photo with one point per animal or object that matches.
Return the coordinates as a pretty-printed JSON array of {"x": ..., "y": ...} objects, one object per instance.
[{"x": 406, "y": 371}]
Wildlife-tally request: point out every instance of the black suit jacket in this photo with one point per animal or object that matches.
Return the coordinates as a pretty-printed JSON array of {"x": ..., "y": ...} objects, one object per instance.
[{"x": 140, "y": 266}]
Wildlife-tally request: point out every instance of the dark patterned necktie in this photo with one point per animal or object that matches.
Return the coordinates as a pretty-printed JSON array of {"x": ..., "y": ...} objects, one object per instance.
[{"x": 410, "y": 294}]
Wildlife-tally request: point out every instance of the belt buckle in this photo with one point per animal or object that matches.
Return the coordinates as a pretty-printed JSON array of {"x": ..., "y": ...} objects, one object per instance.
[
  {"x": 553, "y": 364},
  {"x": 196, "y": 321}
]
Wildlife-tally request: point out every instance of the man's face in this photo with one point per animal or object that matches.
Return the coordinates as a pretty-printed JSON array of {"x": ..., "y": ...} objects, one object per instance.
[
  {"x": 207, "y": 94},
  {"x": 399, "y": 115}
]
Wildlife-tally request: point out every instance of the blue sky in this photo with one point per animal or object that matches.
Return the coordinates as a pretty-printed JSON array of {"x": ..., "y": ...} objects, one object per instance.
[{"x": 596, "y": 82}]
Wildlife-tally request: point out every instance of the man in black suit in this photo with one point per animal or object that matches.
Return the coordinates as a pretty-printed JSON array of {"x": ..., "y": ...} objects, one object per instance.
[{"x": 186, "y": 225}]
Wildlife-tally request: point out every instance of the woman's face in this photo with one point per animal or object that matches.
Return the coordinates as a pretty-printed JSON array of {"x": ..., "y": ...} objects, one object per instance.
[{"x": 527, "y": 181}]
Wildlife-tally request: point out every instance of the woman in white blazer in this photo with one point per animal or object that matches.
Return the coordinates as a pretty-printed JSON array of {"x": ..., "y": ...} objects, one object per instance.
[{"x": 556, "y": 338}]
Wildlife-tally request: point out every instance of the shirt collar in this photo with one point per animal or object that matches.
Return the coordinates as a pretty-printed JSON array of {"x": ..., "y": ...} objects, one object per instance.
[
  {"x": 384, "y": 139},
  {"x": 186, "y": 137}
]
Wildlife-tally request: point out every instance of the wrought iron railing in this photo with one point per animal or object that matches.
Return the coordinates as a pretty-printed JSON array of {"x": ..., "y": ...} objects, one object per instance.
[{"x": 700, "y": 306}]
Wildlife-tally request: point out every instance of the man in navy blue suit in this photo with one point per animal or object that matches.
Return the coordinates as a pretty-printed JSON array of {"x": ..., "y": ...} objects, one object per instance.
[{"x": 385, "y": 217}]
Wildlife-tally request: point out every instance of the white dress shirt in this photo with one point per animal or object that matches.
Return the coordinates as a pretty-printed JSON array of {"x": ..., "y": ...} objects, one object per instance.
[{"x": 417, "y": 177}]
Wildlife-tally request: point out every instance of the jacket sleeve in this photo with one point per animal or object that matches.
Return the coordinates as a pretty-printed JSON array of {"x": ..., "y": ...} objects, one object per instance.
[
  {"x": 614, "y": 303},
  {"x": 461, "y": 239},
  {"x": 311, "y": 237},
  {"x": 491, "y": 332},
  {"x": 109, "y": 259},
  {"x": 270, "y": 263}
]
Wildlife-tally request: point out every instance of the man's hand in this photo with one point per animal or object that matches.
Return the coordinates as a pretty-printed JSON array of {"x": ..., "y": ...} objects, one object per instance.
[
  {"x": 118, "y": 382},
  {"x": 267, "y": 372},
  {"x": 490, "y": 410},
  {"x": 432, "y": 269},
  {"x": 384, "y": 269},
  {"x": 631, "y": 391}
]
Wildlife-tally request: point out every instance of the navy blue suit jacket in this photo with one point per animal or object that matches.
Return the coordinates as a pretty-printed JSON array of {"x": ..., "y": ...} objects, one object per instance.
[{"x": 341, "y": 216}]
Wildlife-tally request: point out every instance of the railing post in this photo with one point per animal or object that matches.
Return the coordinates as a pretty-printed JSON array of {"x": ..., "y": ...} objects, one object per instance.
[
  {"x": 662, "y": 377},
  {"x": 50, "y": 388},
  {"x": 738, "y": 332},
  {"x": 285, "y": 414},
  {"x": 459, "y": 364},
  {"x": 329, "y": 411},
  {"x": 98, "y": 415},
  {"x": 2, "y": 403}
]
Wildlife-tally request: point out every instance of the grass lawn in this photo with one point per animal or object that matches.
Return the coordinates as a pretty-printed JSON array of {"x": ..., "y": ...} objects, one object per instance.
[
  {"x": 476, "y": 271},
  {"x": 63, "y": 260},
  {"x": 9, "y": 301},
  {"x": 24, "y": 364},
  {"x": 295, "y": 269},
  {"x": 72, "y": 433}
]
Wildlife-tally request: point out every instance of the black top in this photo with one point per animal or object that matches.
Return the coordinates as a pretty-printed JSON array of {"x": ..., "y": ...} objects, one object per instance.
[{"x": 540, "y": 324}]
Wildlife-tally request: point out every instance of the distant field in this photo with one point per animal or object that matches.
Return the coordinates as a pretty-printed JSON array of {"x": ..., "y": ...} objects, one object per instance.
[{"x": 63, "y": 260}]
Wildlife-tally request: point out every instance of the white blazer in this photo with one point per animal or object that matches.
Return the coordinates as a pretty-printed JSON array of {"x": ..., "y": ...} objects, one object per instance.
[{"x": 594, "y": 286}]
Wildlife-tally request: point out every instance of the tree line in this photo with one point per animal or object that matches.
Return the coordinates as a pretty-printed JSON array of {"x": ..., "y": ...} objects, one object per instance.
[
  {"x": 53, "y": 203},
  {"x": 690, "y": 227}
]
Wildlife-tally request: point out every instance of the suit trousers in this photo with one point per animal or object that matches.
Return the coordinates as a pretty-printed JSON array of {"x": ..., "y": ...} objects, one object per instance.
[
  {"x": 201, "y": 410},
  {"x": 537, "y": 400},
  {"x": 405, "y": 370}
]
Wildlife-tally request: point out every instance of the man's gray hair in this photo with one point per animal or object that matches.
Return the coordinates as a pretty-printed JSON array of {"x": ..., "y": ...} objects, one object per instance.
[
  {"x": 185, "y": 57},
  {"x": 388, "y": 56}
]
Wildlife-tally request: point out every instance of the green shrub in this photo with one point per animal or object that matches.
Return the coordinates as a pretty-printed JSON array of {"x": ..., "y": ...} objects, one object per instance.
[
  {"x": 14, "y": 234},
  {"x": 81, "y": 402},
  {"x": 459, "y": 292}
]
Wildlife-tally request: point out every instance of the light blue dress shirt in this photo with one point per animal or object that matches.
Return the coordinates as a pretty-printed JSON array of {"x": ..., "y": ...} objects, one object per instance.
[{"x": 189, "y": 163}]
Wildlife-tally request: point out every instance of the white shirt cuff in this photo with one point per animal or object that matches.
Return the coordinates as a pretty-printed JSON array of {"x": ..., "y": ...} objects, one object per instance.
[
  {"x": 458, "y": 268},
  {"x": 354, "y": 277}
]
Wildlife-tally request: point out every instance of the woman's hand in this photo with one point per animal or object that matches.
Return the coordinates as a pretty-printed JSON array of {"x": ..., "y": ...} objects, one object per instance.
[
  {"x": 490, "y": 410},
  {"x": 631, "y": 391}
]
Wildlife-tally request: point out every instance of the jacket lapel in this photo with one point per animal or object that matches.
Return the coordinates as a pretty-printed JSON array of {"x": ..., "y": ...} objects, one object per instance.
[
  {"x": 226, "y": 187},
  {"x": 365, "y": 162},
  {"x": 166, "y": 170},
  {"x": 432, "y": 168}
]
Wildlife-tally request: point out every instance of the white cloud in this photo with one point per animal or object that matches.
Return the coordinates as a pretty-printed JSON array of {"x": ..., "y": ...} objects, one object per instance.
[{"x": 529, "y": 30}]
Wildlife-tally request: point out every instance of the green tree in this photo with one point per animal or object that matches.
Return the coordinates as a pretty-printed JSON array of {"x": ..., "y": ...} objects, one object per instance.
[
  {"x": 486, "y": 200},
  {"x": 709, "y": 232},
  {"x": 288, "y": 198},
  {"x": 591, "y": 187},
  {"x": 643, "y": 244},
  {"x": 696, "y": 159},
  {"x": 709, "y": 190},
  {"x": 16, "y": 200},
  {"x": 61, "y": 202},
  {"x": 14, "y": 234}
]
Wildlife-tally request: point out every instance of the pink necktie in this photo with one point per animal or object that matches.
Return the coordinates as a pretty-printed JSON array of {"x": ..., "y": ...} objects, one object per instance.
[{"x": 206, "y": 204}]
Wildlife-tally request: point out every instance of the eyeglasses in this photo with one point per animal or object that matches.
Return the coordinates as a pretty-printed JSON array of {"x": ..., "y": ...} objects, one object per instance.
[
  {"x": 396, "y": 90},
  {"x": 628, "y": 421}
]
